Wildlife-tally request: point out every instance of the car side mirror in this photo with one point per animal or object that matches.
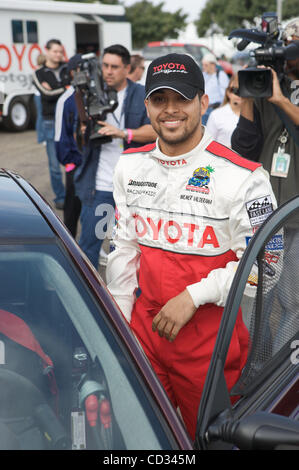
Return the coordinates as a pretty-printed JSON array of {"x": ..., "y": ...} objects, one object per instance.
[{"x": 259, "y": 431}]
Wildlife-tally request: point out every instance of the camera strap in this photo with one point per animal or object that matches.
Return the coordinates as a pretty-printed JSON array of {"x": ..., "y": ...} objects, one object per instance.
[
  {"x": 119, "y": 119},
  {"x": 294, "y": 133},
  {"x": 281, "y": 160}
]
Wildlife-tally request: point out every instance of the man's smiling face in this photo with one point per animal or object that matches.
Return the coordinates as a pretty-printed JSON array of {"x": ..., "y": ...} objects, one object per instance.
[{"x": 176, "y": 119}]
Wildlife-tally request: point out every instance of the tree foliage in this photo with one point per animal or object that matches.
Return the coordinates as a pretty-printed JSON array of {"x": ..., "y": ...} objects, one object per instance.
[
  {"x": 290, "y": 9},
  {"x": 231, "y": 14},
  {"x": 151, "y": 23}
]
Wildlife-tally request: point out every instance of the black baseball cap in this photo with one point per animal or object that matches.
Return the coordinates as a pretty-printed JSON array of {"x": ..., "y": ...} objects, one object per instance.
[{"x": 178, "y": 72}]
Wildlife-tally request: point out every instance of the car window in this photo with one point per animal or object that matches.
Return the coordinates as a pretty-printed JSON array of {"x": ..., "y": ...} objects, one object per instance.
[
  {"x": 151, "y": 53},
  {"x": 265, "y": 286},
  {"x": 270, "y": 305},
  {"x": 198, "y": 52},
  {"x": 59, "y": 359},
  {"x": 205, "y": 51}
]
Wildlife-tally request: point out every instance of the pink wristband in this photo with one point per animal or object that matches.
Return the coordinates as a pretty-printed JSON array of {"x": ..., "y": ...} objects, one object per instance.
[
  {"x": 69, "y": 167},
  {"x": 130, "y": 136}
]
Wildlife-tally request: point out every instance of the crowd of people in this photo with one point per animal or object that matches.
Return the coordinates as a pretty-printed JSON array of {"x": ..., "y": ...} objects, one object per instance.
[
  {"x": 174, "y": 155},
  {"x": 88, "y": 168}
]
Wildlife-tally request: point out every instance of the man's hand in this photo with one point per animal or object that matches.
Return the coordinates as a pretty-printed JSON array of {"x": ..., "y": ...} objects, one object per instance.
[
  {"x": 109, "y": 130},
  {"x": 283, "y": 102},
  {"x": 174, "y": 315},
  {"x": 277, "y": 95}
]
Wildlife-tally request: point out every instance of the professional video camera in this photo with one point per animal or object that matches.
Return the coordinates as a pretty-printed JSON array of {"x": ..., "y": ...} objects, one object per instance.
[
  {"x": 255, "y": 82},
  {"x": 94, "y": 98}
]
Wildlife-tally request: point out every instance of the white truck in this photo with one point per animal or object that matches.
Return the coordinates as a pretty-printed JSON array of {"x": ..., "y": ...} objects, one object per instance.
[{"x": 25, "y": 28}]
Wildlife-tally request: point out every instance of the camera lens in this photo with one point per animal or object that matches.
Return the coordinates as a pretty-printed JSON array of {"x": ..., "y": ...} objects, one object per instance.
[
  {"x": 259, "y": 81},
  {"x": 255, "y": 83}
]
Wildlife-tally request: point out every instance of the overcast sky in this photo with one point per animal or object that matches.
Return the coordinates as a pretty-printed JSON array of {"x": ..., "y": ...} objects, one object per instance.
[{"x": 192, "y": 7}]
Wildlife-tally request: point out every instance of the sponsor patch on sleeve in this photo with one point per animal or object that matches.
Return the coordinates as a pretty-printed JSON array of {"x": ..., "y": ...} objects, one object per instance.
[
  {"x": 259, "y": 210},
  {"x": 274, "y": 244}
]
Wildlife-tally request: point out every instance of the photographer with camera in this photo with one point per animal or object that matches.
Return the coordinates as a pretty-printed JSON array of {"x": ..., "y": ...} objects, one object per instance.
[
  {"x": 268, "y": 132},
  {"x": 126, "y": 125}
]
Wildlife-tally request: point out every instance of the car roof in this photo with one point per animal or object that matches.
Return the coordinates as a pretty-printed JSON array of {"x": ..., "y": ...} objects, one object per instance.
[
  {"x": 19, "y": 216},
  {"x": 173, "y": 43}
]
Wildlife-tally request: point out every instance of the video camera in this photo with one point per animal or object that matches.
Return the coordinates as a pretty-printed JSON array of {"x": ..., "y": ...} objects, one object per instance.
[
  {"x": 255, "y": 82},
  {"x": 94, "y": 98}
]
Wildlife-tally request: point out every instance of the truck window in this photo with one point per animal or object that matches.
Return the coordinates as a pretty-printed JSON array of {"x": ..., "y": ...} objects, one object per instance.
[
  {"x": 31, "y": 27},
  {"x": 24, "y": 31},
  {"x": 17, "y": 31}
]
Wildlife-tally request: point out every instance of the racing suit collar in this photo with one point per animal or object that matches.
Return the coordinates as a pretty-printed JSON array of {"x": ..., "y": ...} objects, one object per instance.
[{"x": 186, "y": 157}]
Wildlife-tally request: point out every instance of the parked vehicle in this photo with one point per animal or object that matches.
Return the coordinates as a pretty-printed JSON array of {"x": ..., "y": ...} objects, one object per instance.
[
  {"x": 73, "y": 376},
  {"x": 155, "y": 49},
  {"x": 26, "y": 26}
]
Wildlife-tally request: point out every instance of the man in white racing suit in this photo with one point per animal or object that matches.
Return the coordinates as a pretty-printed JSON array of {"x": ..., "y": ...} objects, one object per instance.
[{"x": 185, "y": 207}]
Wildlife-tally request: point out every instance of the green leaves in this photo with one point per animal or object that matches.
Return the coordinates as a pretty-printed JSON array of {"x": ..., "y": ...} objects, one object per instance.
[{"x": 151, "y": 23}]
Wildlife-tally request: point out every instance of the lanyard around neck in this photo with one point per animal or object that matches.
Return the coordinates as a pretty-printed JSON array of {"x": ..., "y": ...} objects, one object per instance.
[{"x": 119, "y": 121}]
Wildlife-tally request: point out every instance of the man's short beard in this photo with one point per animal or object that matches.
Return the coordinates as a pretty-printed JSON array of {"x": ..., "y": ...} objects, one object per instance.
[{"x": 180, "y": 139}]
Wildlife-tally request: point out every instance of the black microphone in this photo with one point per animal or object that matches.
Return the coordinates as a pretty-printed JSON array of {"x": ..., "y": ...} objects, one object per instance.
[{"x": 242, "y": 44}]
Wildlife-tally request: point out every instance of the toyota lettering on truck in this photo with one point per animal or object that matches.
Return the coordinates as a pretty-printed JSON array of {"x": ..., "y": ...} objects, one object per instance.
[{"x": 82, "y": 28}]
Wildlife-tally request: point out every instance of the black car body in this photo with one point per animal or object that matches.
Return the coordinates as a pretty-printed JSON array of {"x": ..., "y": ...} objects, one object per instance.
[{"x": 73, "y": 376}]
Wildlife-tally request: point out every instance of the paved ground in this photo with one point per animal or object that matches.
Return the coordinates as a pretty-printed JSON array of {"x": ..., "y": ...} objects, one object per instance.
[{"x": 21, "y": 153}]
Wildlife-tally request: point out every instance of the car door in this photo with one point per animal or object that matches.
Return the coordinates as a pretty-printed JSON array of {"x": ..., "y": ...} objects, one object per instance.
[{"x": 262, "y": 409}]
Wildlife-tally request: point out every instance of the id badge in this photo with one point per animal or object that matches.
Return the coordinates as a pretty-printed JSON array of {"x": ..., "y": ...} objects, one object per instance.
[{"x": 280, "y": 164}]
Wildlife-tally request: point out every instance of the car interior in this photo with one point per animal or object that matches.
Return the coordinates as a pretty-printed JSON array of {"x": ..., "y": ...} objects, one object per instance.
[{"x": 54, "y": 391}]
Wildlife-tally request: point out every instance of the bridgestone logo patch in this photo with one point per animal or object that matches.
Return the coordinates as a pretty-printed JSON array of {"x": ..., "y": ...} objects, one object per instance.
[
  {"x": 149, "y": 184},
  {"x": 259, "y": 210}
]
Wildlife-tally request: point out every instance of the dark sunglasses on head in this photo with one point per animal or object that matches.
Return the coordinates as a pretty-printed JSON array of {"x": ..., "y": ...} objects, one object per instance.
[{"x": 233, "y": 89}]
